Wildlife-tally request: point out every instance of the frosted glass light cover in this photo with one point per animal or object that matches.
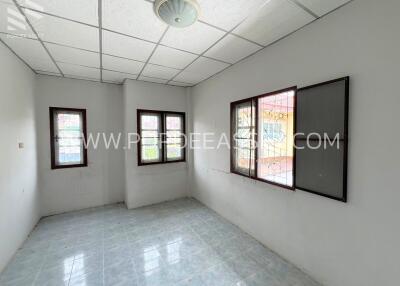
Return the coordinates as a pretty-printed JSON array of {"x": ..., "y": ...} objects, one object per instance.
[{"x": 177, "y": 13}]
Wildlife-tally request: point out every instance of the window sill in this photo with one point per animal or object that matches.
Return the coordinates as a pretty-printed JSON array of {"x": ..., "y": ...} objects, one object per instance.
[
  {"x": 291, "y": 188},
  {"x": 69, "y": 166},
  {"x": 161, "y": 163}
]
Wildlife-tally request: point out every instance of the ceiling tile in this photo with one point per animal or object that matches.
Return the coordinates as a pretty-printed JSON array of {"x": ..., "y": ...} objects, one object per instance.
[
  {"x": 196, "y": 38},
  {"x": 83, "y": 11},
  {"x": 122, "y": 65},
  {"x": 200, "y": 70},
  {"x": 116, "y": 76},
  {"x": 31, "y": 51},
  {"x": 159, "y": 71},
  {"x": 177, "y": 83},
  {"x": 150, "y": 79},
  {"x": 56, "y": 30},
  {"x": 13, "y": 22},
  {"x": 119, "y": 45},
  {"x": 79, "y": 71},
  {"x": 321, "y": 7},
  {"x": 172, "y": 58},
  {"x": 226, "y": 15},
  {"x": 74, "y": 56},
  {"x": 232, "y": 49},
  {"x": 133, "y": 17},
  {"x": 275, "y": 20}
]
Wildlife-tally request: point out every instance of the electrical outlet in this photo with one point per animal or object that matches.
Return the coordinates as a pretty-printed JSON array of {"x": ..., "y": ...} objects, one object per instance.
[{"x": 21, "y": 145}]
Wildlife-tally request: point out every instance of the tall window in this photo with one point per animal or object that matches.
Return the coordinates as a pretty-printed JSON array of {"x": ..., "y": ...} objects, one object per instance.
[
  {"x": 262, "y": 137},
  {"x": 162, "y": 137},
  {"x": 67, "y": 132}
]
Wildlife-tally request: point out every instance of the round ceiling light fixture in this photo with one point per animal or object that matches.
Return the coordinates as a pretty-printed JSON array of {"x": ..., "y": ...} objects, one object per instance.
[{"x": 177, "y": 13}]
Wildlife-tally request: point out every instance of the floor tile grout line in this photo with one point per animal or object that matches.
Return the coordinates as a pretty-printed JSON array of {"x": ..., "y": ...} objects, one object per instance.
[
  {"x": 189, "y": 227},
  {"x": 152, "y": 52},
  {"x": 37, "y": 35},
  {"x": 219, "y": 40}
]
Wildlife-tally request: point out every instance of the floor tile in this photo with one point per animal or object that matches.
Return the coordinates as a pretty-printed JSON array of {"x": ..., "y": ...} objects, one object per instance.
[{"x": 177, "y": 243}]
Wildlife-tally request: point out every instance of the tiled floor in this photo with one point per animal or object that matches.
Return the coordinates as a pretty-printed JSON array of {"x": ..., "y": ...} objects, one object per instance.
[{"x": 175, "y": 243}]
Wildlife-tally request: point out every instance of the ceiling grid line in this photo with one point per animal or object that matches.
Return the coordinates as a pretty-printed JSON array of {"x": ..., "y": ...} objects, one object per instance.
[
  {"x": 276, "y": 41},
  {"x": 85, "y": 50},
  {"x": 233, "y": 34},
  {"x": 37, "y": 35},
  {"x": 152, "y": 52},
  {"x": 139, "y": 38},
  {"x": 22, "y": 60},
  {"x": 160, "y": 44},
  {"x": 301, "y": 6},
  {"x": 59, "y": 17},
  {"x": 198, "y": 60},
  {"x": 129, "y": 59},
  {"x": 219, "y": 40},
  {"x": 100, "y": 13}
]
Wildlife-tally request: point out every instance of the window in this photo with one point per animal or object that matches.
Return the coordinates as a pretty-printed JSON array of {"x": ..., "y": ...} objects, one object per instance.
[
  {"x": 67, "y": 135},
  {"x": 262, "y": 137},
  {"x": 162, "y": 137}
]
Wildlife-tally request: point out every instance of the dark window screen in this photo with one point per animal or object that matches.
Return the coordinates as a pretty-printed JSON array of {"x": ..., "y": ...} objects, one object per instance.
[{"x": 322, "y": 109}]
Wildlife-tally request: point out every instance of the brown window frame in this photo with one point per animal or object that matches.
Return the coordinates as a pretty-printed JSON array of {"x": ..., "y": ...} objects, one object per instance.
[
  {"x": 254, "y": 100},
  {"x": 54, "y": 165},
  {"x": 162, "y": 114}
]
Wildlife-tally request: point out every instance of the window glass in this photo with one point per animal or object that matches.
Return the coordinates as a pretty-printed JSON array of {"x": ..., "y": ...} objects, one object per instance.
[
  {"x": 243, "y": 143},
  {"x": 275, "y": 138},
  {"x": 150, "y": 137},
  {"x": 162, "y": 136},
  {"x": 174, "y": 139},
  {"x": 67, "y": 137},
  {"x": 262, "y": 137}
]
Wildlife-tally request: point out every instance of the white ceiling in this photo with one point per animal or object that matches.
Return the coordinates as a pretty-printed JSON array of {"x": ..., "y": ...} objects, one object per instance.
[{"x": 111, "y": 40}]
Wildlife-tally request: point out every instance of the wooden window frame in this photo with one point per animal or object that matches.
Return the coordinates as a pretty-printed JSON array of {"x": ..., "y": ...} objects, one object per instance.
[
  {"x": 232, "y": 154},
  {"x": 162, "y": 114},
  {"x": 54, "y": 165}
]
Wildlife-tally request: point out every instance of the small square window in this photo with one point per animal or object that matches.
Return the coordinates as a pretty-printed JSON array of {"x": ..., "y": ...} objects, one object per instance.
[{"x": 162, "y": 137}]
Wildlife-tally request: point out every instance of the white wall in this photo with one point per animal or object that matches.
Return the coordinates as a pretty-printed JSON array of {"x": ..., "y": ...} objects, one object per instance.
[
  {"x": 102, "y": 182},
  {"x": 19, "y": 196},
  {"x": 153, "y": 183},
  {"x": 339, "y": 244}
]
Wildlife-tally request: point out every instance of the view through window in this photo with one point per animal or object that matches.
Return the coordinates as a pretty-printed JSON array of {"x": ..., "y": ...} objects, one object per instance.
[
  {"x": 263, "y": 130},
  {"x": 161, "y": 137},
  {"x": 68, "y": 126}
]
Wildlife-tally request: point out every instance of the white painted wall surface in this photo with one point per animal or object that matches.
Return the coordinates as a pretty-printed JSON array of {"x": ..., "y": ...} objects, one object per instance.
[
  {"x": 102, "y": 182},
  {"x": 353, "y": 244},
  {"x": 19, "y": 195},
  {"x": 154, "y": 183}
]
